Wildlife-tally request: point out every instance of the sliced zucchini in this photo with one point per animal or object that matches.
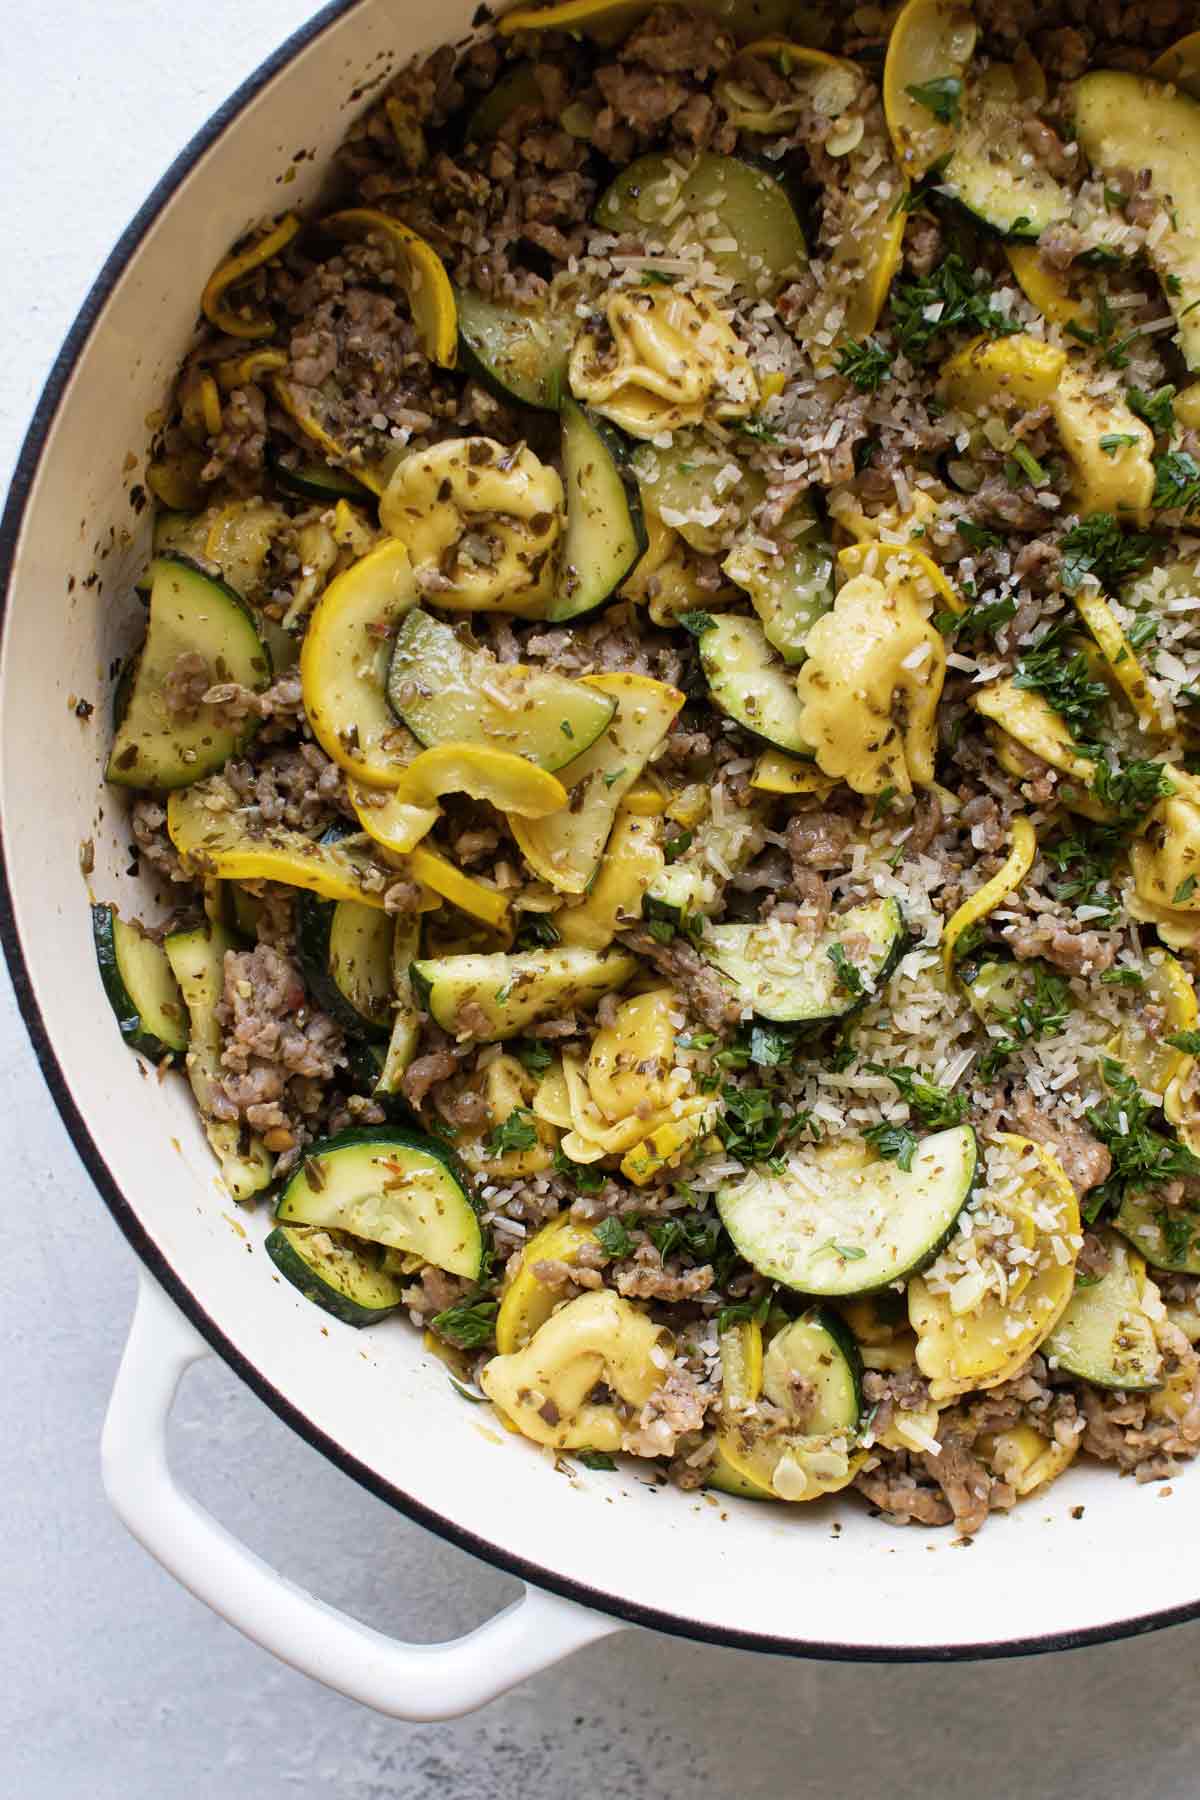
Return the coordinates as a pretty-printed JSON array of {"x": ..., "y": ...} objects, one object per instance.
[
  {"x": 1126, "y": 121},
  {"x": 1167, "y": 1236},
  {"x": 565, "y": 848},
  {"x": 197, "y": 960},
  {"x": 688, "y": 487},
  {"x": 991, "y": 171},
  {"x": 691, "y": 884},
  {"x": 788, "y": 977},
  {"x": 345, "y": 950},
  {"x": 605, "y": 534},
  {"x": 396, "y": 1188},
  {"x": 447, "y": 689},
  {"x": 519, "y": 354},
  {"x": 747, "y": 680},
  {"x": 849, "y": 1231},
  {"x": 812, "y": 1373},
  {"x": 751, "y": 209},
  {"x": 497, "y": 996},
  {"x": 314, "y": 480},
  {"x": 789, "y": 592},
  {"x": 343, "y": 1277},
  {"x": 191, "y": 614},
  {"x": 141, "y": 989},
  {"x": 1106, "y": 1335}
]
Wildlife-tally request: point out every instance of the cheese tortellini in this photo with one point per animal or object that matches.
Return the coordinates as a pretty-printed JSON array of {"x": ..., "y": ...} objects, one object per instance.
[
  {"x": 870, "y": 687},
  {"x": 1166, "y": 863},
  {"x": 481, "y": 523},
  {"x": 597, "y": 1339},
  {"x": 668, "y": 359}
]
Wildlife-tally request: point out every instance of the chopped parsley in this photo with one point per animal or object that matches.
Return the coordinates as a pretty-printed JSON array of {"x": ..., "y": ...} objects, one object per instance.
[
  {"x": 587, "y": 1179},
  {"x": 1042, "y": 1011},
  {"x": 518, "y": 1132},
  {"x": 948, "y": 299},
  {"x": 1124, "y": 978},
  {"x": 847, "y": 1252},
  {"x": 675, "y": 846},
  {"x": 696, "y": 1233},
  {"x": 1187, "y": 1041},
  {"x": 696, "y": 622},
  {"x": 935, "y": 1107},
  {"x": 595, "y": 1459},
  {"x": 1176, "y": 482},
  {"x": 470, "y": 1323},
  {"x": 612, "y": 776},
  {"x": 771, "y": 1047},
  {"x": 533, "y": 1054},
  {"x": 1097, "y": 546},
  {"x": 613, "y": 1238},
  {"x": 866, "y": 363},
  {"x": 758, "y": 429},
  {"x": 750, "y": 1125},
  {"x": 1130, "y": 790},
  {"x": 942, "y": 97},
  {"x": 978, "y": 536},
  {"x": 1157, "y": 409},
  {"x": 896, "y": 1142},
  {"x": 744, "y": 1312},
  {"x": 979, "y": 621},
  {"x": 537, "y": 934},
  {"x": 1066, "y": 683},
  {"x": 1184, "y": 891},
  {"x": 1084, "y": 863},
  {"x": 1142, "y": 1157},
  {"x": 848, "y": 976},
  {"x": 1112, "y": 441}
]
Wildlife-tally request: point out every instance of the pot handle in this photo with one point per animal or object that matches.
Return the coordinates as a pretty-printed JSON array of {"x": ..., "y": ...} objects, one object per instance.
[{"x": 417, "y": 1682}]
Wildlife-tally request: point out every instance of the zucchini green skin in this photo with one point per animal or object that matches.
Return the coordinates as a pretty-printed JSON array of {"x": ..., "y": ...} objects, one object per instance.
[
  {"x": 364, "y": 1297},
  {"x": 365, "y": 1063},
  {"x": 517, "y": 354},
  {"x": 314, "y": 481},
  {"x": 316, "y": 924},
  {"x": 732, "y": 947},
  {"x": 749, "y": 682},
  {"x": 606, "y": 532},
  {"x": 305, "y": 1201},
  {"x": 155, "y": 1036},
  {"x": 1105, "y": 1336},
  {"x": 190, "y": 610},
  {"x": 843, "y": 1348},
  {"x": 761, "y": 1216},
  {"x": 1138, "y": 1220}
]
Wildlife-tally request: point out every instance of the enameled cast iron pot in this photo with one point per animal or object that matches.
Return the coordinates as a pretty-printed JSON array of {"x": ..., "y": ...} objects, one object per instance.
[{"x": 596, "y": 1554}]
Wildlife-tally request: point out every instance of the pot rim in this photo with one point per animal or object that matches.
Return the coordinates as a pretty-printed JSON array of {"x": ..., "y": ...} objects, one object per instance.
[{"x": 27, "y": 465}]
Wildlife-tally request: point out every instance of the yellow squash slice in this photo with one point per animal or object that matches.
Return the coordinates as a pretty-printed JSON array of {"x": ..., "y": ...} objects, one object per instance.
[
  {"x": 931, "y": 39},
  {"x": 425, "y": 281},
  {"x": 565, "y": 849},
  {"x": 527, "y": 1302},
  {"x": 344, "y": 665},
  {"x": 1120, "y": 656},
  {"x": 216, "y": 300},
  {"x": 984, "y": 1346},
  {"x": 1007, "y": 879},
  {"x": 500, "y": 777},
  {"x": 632, "y": 862}
]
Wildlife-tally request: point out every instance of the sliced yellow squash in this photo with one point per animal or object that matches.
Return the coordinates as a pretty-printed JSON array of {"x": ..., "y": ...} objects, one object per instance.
[
  {"x": 932, "y": 40},
  {"x": 984, "y": 1346},
  {"x": 565, "y": 849},
  {"x": 527, "y": 1302},
  {"x": 632, "y": 862},
  {"x": 393, "y": 823},
  {"x": 1021, "y": 371},
  {"x": 425, "y": 281},
  {"x": 901, "y": 562},
  {"x": 216, "y": 300},
  {"x": 1120, "y": 656},
  {"x": 1047, "y": 288},
  {"x": 344, "y": 665},
  {"x": 1007, "y": 879}
]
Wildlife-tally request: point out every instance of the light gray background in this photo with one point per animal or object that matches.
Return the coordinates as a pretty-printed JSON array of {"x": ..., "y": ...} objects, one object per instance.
[{"x": 114, "y": 1684}]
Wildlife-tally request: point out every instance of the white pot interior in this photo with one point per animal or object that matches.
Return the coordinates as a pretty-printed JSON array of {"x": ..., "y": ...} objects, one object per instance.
[{"x": 701, "y": 1563}]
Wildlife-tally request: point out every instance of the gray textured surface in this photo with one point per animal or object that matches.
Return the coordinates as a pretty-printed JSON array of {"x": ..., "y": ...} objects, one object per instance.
[{"x": 116, "y": 1685}]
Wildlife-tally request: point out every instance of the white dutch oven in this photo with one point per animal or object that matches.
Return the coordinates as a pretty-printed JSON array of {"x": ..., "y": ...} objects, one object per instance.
[{"x": 597, "y": 1552}]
